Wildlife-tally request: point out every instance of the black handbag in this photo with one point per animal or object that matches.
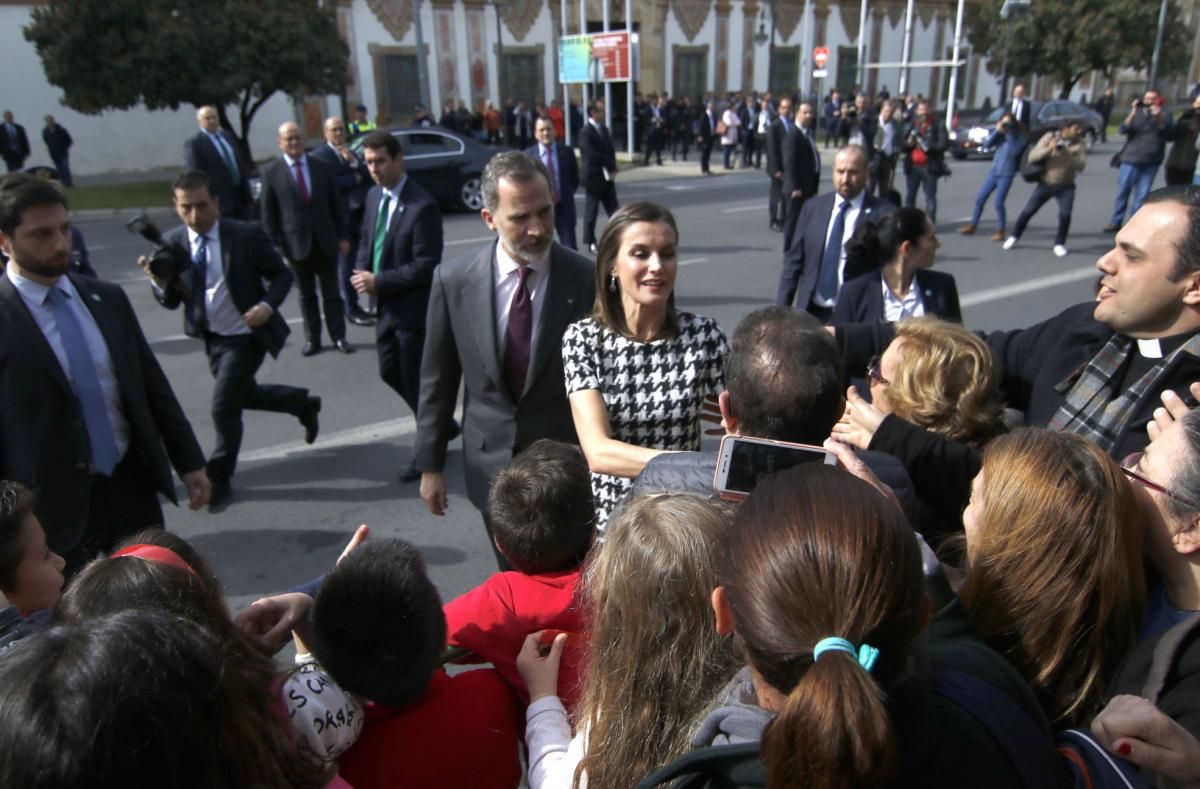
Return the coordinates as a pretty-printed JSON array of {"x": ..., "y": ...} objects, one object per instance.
[{"x": 1032, "y": 172}]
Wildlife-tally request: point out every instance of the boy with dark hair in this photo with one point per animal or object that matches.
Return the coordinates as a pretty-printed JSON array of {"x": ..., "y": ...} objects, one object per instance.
[
  {"x": 379, "y": 631},
  {"x": 543, "y": 521},
  {"x": 31, "y": 575}
]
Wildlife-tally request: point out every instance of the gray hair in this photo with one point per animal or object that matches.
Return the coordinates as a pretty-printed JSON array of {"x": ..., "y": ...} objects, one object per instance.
[
  {"x": 1186, "y": 481},
  {"x": 511, "y": 166}
]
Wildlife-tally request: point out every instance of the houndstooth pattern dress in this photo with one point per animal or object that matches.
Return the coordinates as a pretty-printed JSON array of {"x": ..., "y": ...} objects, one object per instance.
[{"x": 653, "y": 391}]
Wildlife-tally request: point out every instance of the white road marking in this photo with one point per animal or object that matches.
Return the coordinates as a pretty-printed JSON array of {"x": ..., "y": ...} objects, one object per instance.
[
  {"x": 364, "y": 434},
  {"x": 479, "y": 240},
  {"x": 1029, "y": 285},
  {"x": 690, "y": 261},
  {"x": 745, "y": 208}
]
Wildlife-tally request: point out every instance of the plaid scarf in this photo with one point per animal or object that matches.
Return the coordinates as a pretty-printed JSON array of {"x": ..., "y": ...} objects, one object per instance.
[{"x": 1089, "y": 408}]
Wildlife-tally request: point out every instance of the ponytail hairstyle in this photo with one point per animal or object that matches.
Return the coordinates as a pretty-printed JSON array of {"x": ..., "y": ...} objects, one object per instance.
[
  {"x": 877, "y": 241},
  {"x": 817, "y": 553}
]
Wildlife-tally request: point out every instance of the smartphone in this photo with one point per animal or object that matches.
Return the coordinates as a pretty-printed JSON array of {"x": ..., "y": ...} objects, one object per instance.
[{"x": 742, "y": 462}]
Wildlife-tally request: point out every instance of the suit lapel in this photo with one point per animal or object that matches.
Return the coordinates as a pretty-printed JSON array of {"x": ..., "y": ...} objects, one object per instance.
[
  {"x": 557, "y": 308},
  {"x": 875, "y": 298},
  {"x": 478, "y": 295},
  {"x": 398, "y": 216},
  {"x": 223, "y": 234},
  {"x": 11, "y": 304}
]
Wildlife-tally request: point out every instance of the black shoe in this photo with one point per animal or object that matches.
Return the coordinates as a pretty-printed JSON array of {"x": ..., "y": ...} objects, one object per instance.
[
  {"x": 310, "y": 349},
  {"x": 309, "y": 419},
  {"x": 343, "y": 346},
  {"x": 360, "y": 318},
  {"x": 222, "y": 494},
  {"x": 410, "y": 473}
]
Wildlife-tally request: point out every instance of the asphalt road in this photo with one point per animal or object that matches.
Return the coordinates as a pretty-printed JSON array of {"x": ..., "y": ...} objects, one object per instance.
[{"x": 296, "y": 505}]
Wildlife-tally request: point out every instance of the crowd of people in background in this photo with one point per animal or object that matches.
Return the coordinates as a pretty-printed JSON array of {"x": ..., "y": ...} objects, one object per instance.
[{"x": 992, "y": 578}]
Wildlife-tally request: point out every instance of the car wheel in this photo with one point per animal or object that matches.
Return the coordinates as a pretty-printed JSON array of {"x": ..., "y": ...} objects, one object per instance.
[
  {"x": 1089, "y": 138},
  {"x": 470, "y": 194}
]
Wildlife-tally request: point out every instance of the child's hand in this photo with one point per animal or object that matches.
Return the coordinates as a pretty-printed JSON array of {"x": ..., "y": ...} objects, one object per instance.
[
  {"x": 268, "y": 622},
  {"x": 538, "y": 664}
]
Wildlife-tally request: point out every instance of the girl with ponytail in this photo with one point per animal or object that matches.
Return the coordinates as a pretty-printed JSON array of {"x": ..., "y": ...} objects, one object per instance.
[{"x": 823, "y": 590}]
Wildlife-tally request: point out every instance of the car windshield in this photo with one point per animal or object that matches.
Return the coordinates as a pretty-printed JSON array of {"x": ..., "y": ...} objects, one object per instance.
[{"x": 994, "y": 116}]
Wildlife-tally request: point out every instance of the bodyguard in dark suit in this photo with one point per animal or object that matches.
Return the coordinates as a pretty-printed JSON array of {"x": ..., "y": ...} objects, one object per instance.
[
  {"x": 14, "y": 144},
  {"x": 801, "y": 168},
  {"x": 302, "y": 213},
  {"x": 353, "y": 181},
  {"x": 215, "y": 152},
  {"x": 401, "y": 247},
  {"x": 58, "y": 142},
  {"x": 89, "y": 421},
  {"x": 560, "y": 164},
  {"x": 1022, "y": 108},
  {"x": 706, "y": 134},
  {"x": 496, "y": 321},
  {"x": 814, "y": 270},
  {"x": 599, "y": 171},
  {"x": 777, "y": 131},
  {"x": 231, "y": 299},
  {"x": 862, "y": 299}
]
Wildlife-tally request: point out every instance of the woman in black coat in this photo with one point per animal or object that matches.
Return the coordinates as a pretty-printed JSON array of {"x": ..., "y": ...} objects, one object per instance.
[{"x": 897, "y": 249}]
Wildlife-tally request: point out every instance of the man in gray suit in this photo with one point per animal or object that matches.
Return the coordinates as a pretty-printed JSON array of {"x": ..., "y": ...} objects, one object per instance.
[{"x": 495, "y": 322}]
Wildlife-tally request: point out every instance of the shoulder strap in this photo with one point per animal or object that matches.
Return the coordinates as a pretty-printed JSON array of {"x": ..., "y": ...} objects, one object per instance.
[
  {"x": 1029, "y": 754},
  {"x": 714, "y": 767}
]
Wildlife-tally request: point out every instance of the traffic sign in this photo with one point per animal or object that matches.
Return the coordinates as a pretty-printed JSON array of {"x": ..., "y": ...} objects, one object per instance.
[
  {"x": 820, "y": 73},
  {"x": 820, "y": 56}
]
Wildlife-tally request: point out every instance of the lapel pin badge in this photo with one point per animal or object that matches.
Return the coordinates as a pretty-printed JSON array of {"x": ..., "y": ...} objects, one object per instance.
[{"x": 95, "y": 297}]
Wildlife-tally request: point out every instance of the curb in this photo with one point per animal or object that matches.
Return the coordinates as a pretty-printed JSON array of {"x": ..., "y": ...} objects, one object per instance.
[{"x": 85, "y": 214}]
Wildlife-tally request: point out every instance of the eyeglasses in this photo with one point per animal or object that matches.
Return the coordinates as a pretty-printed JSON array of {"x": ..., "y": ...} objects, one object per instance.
[
  {"x": 1129, "y": 466},
  {"x": 873, "y": 373}
]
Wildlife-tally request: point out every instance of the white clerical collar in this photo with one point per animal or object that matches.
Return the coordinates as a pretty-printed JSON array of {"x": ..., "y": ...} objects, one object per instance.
[{"x": 1150, "y": 349}]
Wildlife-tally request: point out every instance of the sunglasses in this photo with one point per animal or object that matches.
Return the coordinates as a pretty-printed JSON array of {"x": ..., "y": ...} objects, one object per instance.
[
  {"x": 1129, "y": 466},
  {"x": 873, "y": 374}
]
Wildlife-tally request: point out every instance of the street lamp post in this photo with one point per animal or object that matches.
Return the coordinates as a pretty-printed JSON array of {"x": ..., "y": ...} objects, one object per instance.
[{"x": 761, "y": 38}]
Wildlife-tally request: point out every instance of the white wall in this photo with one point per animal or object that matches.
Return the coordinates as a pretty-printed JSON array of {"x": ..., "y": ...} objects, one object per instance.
[{"x": 126, "y": 141}]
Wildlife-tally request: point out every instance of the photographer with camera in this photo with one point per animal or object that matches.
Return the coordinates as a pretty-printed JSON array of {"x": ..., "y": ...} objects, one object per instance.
[
  {"x": 231, "y": 282},
  {"x": 1008, "y": 141},
  {"x": 925, "y": 145},
  {"x": 1063, "y": 155},
  {"x": 1147, "y": 129}
]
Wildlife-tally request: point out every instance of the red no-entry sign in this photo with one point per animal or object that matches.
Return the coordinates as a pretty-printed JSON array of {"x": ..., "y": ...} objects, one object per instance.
[{"x": 820, "y": 56}]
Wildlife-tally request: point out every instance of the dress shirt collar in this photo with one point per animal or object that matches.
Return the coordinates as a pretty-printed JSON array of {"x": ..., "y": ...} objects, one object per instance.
[
  {"x": 36, "y": 292},
  {"x": 855, "y": 205},
  {"x": 292, "y": 162},
  {"x": 212, "y": 235},
  {"x": 394, "y": 194},
  {"x": 508, "y": 264}
]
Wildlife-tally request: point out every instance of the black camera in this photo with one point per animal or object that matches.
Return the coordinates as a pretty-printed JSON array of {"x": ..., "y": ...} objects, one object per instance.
[{"x": 168, "y": 262}]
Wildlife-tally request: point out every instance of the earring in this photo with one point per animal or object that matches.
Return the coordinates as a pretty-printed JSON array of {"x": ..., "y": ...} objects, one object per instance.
[{"x": 612, "y": 284}]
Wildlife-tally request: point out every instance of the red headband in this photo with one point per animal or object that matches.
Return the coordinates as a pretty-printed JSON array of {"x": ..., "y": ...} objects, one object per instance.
[{"x": 159, "y": 554}]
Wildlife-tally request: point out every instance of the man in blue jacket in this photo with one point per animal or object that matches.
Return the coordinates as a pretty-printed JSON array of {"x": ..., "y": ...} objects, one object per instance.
[{"x": 1008, "y": 141}]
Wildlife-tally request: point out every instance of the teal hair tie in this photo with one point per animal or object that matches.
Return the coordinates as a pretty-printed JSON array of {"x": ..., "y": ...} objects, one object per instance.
[{"x": 866, "y": 654}]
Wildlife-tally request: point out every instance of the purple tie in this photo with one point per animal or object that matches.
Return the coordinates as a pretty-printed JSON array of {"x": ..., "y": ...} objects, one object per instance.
[
  {"x": 300, "y": 180},
  {"x": 553, "y": 176},
  {"x": 517, "y": 337}
]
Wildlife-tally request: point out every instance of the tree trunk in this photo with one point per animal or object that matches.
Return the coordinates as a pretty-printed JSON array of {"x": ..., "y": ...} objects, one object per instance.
[{"x": 1068, "y": 82}]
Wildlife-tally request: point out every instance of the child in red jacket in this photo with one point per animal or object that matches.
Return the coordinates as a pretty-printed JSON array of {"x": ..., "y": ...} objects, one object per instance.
[{"x": 543, "y": 522}]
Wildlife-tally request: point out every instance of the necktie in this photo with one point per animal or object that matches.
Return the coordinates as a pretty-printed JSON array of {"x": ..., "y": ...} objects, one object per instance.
[
  {"x": 827, "y": 280},
  {"x": 381, "y": 223},
  {"x": 200, "y": 284},
  {"x": 549, "y": 157},
  {"x": 517, "y": 336},
  {"x": 303, "y": 187},
  {"x": 230, "y": 160},
  {"x": 87, "y": 383}
]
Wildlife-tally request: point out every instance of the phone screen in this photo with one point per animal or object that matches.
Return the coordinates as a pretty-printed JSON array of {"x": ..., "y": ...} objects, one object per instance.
[{"x": 749, "y": 463}]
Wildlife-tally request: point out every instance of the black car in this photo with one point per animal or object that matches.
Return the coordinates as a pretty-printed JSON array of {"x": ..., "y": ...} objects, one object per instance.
[
  {"x": 967, "y": 138},
  {"x": 444, "y": 163}
]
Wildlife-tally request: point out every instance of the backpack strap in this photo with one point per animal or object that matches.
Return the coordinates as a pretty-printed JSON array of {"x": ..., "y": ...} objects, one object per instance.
[
  {"x": 1014, "y": 730},
  {"x": 1080, "y": 748},
  {"x": 716, "y": 767}
]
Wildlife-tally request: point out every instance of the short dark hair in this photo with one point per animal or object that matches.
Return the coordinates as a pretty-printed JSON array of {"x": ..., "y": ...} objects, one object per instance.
[
  {"x": 512, "y": 166},
  {"x": 192, "y": 180},
  {"x": 21, "y": 191},
  {"x": 16, "y": 505},
  {"x": 1187, "y": 248},
  {"x": 541, "y": 509},
  {"x": 784, "y": 376},
  {"x": 377, "y": 623},
  {"x": 386, "y": 140}
]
